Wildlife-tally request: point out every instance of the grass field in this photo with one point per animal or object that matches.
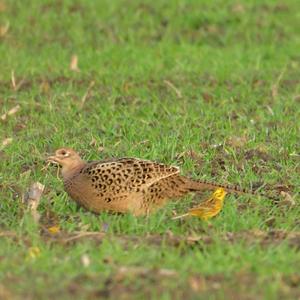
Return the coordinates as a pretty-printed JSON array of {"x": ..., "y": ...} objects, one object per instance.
[{"x": 211, "y": 86}]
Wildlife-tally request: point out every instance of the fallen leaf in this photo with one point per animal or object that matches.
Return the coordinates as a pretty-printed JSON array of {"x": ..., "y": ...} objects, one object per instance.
[
  {"x": 33, "y": 252},
  {"x": 54, "y": 229},
  {"x": 197, "y": 283},
  {"x": 85, "y": 260},
  {"x": 6, "y": 142},
  {"x": 74, "y": 63},
  {"x": 11, "y": 112}
]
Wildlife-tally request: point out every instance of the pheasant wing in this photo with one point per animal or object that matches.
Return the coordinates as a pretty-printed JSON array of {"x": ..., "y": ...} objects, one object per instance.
[{"x": 126, "y": 174}]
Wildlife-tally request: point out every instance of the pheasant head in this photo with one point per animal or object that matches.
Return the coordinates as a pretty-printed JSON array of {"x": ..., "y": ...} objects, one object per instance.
[{"x": 69, "y": 160}]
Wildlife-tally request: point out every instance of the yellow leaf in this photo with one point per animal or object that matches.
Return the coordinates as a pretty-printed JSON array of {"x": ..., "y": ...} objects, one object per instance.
[
  {"x": 34, "y": 252},
  {"x": 54, "y": 229}
]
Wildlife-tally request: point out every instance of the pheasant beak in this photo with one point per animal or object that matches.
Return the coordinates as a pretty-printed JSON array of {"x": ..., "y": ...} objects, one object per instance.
[{"x": 54, "y": 160}]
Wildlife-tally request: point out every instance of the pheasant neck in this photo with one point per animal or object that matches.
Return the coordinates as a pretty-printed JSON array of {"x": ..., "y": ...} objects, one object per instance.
[{"x": 69, "y": 171}]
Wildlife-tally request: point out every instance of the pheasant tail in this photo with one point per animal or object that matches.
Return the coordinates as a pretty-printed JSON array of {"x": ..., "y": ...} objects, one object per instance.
[
  {"x": 199, "y": 185},
  {"x": 176, "y": 186}
]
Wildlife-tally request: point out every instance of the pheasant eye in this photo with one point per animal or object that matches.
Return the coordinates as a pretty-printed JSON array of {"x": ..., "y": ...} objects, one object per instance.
[{"x": 64, "y": 153}]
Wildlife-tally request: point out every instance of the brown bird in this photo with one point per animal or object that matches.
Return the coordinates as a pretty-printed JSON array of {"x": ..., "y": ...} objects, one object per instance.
[{"x": 125, "y": 184}]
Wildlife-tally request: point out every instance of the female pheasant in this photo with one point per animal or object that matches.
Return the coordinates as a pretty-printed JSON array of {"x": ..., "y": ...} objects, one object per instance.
[{"x": 125, "y": 184}]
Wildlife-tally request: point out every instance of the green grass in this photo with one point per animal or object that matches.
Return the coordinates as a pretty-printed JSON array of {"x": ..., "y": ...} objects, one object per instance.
[{"x": 233, "y": 117}]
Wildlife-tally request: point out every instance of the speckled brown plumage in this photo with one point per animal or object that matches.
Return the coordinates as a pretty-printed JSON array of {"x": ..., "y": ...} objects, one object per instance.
[{"x": 123, "y": 185}]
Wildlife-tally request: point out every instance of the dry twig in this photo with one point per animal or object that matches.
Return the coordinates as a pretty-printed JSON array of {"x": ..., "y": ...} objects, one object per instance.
[
  {"x": 87, "y": 93},
  {"x": 32, "y": 199},
  {"x": 174, "y": 88}
]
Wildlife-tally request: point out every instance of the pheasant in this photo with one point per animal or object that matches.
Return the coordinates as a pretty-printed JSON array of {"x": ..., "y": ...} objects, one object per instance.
[{"x": 125, "y": 184}]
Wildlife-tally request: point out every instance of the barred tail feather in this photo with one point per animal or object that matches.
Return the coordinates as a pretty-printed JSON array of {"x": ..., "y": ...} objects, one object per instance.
[
  {"x": 177, "y": 186},
  {"x": 199, "y": 185}
]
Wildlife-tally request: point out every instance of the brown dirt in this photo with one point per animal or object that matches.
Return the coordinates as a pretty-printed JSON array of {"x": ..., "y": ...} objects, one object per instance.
[
  {"x": 264, "y": 238},
  {"x": 249, "y": 237}
]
